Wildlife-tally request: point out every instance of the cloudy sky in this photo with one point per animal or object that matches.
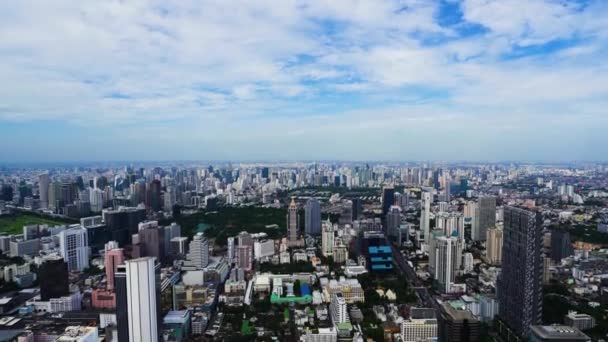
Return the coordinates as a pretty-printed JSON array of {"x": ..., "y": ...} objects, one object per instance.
[{"x": 324, "y": 79}]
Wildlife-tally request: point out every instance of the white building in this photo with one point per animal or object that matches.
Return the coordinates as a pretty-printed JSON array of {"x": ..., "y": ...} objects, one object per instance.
[
  {"x": 425, "y": 215},
  {"x": 327, "y": 239},
  {"x": 198, "y": 252},
  {"x": 415, "y": 330},
  {"x": 322, "y": 335},
  {"x": 263, "y": 249},
  {"x": 74, "y": 247},
  {"x": 338, "y": 309},
  {"x": 79, "y": 334},
  {"x": 448, "y": 258},
  {"x": 142, "y": 301}
]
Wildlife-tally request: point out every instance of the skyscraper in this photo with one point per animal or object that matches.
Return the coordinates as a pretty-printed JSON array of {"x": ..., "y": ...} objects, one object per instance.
[
  {"x": 393, "y": 221},
  {"x": 327, "y": 239},
  {"x": 113, "y": 258},
  {"x": 494, "y": 246},
  {"x": 485, "y": 216},
  {"x": 198, "y": 254},
  {"x": 425, "y": 215},
  {"x": 143, "y": 300},
  {"x": 243, "y": 257},
  {"x": 292, "y": 221},
  {"x": 152, "y": 237},
  {"x": 520, "y": 283},
  {"x": 74, "y": 247},
  {"x": 122, "y": 304},
  {"x": 43, "y": 183},
  {"x": 448, "y": 259},
  {"x": 561, "y": 245},
  {"x": 388, "y": 199},
  {"x": 54, "y": 282},
  {"x": 312, "y": 217}
]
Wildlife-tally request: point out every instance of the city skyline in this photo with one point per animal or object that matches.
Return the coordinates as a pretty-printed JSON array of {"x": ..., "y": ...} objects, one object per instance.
[{"x": 440, "y": 80}]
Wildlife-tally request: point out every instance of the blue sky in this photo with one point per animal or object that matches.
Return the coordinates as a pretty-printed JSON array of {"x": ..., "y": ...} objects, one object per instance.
[{"x": 358, "y": 80}]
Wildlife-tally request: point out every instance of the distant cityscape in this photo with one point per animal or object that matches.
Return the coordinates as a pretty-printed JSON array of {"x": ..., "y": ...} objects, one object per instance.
[{"x": 304, "y": 251}]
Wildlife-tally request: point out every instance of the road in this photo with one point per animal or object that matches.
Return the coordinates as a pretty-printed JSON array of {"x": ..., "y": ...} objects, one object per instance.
[{"x": 422, "y": 292}]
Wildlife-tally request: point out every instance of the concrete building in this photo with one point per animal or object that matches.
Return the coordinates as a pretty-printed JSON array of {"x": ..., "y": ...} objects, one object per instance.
[
  {"x": 415, "y": 330},
  {"x": 312, "y": 217},
  {"x": 74, "y": 247},
  {"x": 556, "y": 333},
  {"x": 579, "y": 320},
  {"x": 338, "y": 309},
  {"x": 494, "y": 246},
  {"x": 143, "y": 287}
]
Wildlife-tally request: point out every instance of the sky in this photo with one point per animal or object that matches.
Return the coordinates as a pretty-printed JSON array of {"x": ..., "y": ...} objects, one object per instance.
[{"x": 309, "y": 80}]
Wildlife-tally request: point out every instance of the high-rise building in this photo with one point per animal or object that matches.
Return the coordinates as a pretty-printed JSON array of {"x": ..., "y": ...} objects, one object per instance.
[
  {"x": 388, "y": 199},
  {"x": 458, "y": 325},
  {"x": 243, "y": 257},
  {"x": 96, "y": 200},
  {"x": 43, "y": 184},
  {"x": 521, "y": 279},
  {"x": 338, "y": 309},
  {"x": 152, "y": 238},
  {"x": 484, "y": 217},
  {"x": 494, "y": 246},
  {"x": 143, "y": 299},
  {"x": 393, "y": 221},
  {"x": 312, "y": 217},
  {"x": 74, "y": 247},
  {"x": 448, "y": 259},
  {"x": 561, "y": 245},
  {"x": 153, "y": 199},
  {"x": 122, "y": 304},
  {"x": 54, "y": 282},
  {"x": 419, "y": 329},
  {"x": 425, "y": 215},
  {"x": 327, "y": 239},
  {"x": 231, "y": 247},
  {"x": 292, "y": 221},
  {"x": 113, "y": 258},
  {"x": 198, "y": 253},
  {"x": 357, "y": 208}
]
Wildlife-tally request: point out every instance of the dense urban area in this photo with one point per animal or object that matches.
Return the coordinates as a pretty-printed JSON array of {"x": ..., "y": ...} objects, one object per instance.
[{"x": 304, "y": 251}]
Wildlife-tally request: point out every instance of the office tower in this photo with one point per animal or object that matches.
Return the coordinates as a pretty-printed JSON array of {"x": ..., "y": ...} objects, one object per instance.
[
  {"x": 388, "y": 199},
  {"x": 312, "y": 217},
  {"x": 96, "y": 200},
  {"x": 486, "y": 216},
  {"x": 243, "y": 257},
  {"x": 198, "y": 254},
  {"x": 448, "y": 259},
  {"x": 561, "y": 245},
  {"x": 230, "y": 244},
  {"x": 458, "y": 325},
  {"x": 357, "y": 208},
  {"x": 122, "y": 306},
  {"x": 245, "y": 239},
  {"x": 153, "y": 199},
  {"x": 425, "y": 215},
  {"x": 54, "y": 195},
  {"x": 43, "y": 188},
  {"x": 263, "y": 249},
  {"x": 494, "y": 246},
  {"x": 520, "y": 283},
  {"x": 338, "y": 309},
  {"x": 152, "y": 238},
  {"x": 292, "y": 221},
  {"x": 475, "y": 221},
  {"x": 265, "y": 172},
  {"x": 53, "y": 275},
  {"x": 74, "y": 247},
  {"x": 172, "y": 231},
  {"x": 123, "y": 222},
  {"x": 327, "y": 239},
  {"x": 114, "y": 257},
  {"x": 143, "y": 299},
  {"x": 393, "y": 221}
]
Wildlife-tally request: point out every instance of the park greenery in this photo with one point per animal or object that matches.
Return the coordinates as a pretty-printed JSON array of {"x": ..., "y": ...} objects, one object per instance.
[
  {"x": 13, "y": 223},
  {"x": 230, "y": 220}
]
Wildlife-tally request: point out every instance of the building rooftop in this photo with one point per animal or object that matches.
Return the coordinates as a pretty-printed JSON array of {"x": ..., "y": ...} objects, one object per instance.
[{"x": 558, "y": 332}]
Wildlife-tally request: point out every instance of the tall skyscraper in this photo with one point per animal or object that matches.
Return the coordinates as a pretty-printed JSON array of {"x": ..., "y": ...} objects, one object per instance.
[
  {"x": 338, "y": 309},
  {"x": 74, "y": 247},
  {"x": 487, "y": 216},
  {"x": 393, "y": 221},
  {"x": 388, "y": 199},
  {"x": 243, "y": 257},
  {"x": 292, "y": 221},
  {"x": 561, "y": 245},
  {"x": 113, "y": 258},
  {"x": 54, "y": 282},
  {"x": 143, "y": 299},
  {"x": 43, "y": 183},
  {"x": 312, "y": 217},
  {"x": 122, "y": 304},
  {"x": 520, "y": 283},
  {"x": 198, "y": 254},
  {"x": 152, "y": 238},
  {"x": 494, "y": 246},
  {"x": 327, "y": 239},
  {"x": 425, "y": 215},
  {"x": 448, "y": 259},
  {"x": 231, "y": 249}
]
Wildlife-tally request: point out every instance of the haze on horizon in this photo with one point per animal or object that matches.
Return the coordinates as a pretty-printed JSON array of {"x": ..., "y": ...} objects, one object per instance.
[{"x": 304, "y": 80}]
